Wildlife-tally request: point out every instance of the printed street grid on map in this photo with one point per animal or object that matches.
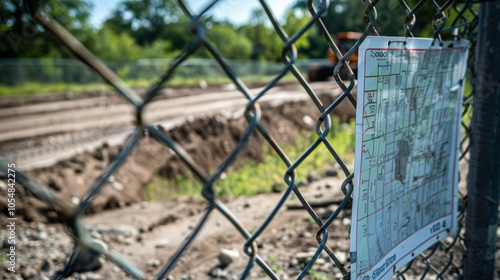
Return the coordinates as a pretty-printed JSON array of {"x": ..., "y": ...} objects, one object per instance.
[{"x": 407, "y": 131}]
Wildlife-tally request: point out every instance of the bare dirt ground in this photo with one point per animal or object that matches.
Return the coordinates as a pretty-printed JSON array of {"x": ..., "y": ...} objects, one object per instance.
[
  {"x": 208, "y": 137},
  {"x": 149, "y": 233}
]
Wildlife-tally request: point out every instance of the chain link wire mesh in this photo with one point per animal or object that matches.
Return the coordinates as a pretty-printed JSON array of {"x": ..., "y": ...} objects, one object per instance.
[{"x": 442, "y": 260}]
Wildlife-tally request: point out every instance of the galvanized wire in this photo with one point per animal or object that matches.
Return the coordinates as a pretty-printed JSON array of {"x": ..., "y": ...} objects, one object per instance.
[{"x": 439, "y": 260}]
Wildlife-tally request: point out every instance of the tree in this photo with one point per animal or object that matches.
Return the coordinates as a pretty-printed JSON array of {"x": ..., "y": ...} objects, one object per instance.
[
  {"x": 348, "y": 15},
  {"x": 111, "y": 46},
  {"x": 159, "y": 49},
  {"x": 231, "y": 43},
  {"x": 146, "y": 20},
  {"x": 23, "y": 37},
  {"x": 266, "y": 43},
  {"x": 295, "y": 19}
]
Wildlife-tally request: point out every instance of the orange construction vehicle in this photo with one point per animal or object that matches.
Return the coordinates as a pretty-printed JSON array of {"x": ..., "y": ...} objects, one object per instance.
[{"x": 345, "y": 41}]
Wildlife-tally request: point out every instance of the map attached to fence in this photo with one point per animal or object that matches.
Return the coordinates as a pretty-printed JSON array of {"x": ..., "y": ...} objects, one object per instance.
[{"x": 407, "y": 143}]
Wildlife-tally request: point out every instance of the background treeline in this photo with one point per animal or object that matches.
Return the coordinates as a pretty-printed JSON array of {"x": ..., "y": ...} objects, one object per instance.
[{"x": 159, "y": 29}]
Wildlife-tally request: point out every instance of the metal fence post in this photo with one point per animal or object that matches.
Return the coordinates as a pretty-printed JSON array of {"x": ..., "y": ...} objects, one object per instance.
[{"x": 483, "y": 184}]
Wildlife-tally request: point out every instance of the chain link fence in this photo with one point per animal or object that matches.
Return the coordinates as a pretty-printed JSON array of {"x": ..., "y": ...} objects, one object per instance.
[
  {"x": 14, "y": 72},
  {"x": 442, "y": 260}
]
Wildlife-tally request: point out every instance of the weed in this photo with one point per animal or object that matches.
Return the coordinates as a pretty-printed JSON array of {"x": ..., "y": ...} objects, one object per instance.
[{"x": 273, "y": 259}]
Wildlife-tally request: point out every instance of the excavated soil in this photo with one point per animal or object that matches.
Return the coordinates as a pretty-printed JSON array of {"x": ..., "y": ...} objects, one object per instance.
[{"x": 207, "y": 139}]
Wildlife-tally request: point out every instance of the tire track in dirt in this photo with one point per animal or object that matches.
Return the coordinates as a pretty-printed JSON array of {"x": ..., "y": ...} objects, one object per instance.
[{"x": 32, "y": 134}]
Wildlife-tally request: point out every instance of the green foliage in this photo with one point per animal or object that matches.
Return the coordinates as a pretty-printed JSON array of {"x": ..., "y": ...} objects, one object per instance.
[
  {"x": 167, "y": 189},
  {"x": 295, "y": 20},
  {"x": 348, "y": 15},
  {"x": 40, "y": 88},
  {"x": 112, "y": 46},
  {"x": 153, "y": 29},
  {"x": 144, "y": 20},
  {"x": 230, "y": 43},
  {"x": 159, "y": 49},
  {"x": 342, "y": 136},
  {"x": 266, "y": 43},
  {"x": 467, "y": 117},
  {"x": 159, "y": 29},
  {"x": 23, "y": 37}
]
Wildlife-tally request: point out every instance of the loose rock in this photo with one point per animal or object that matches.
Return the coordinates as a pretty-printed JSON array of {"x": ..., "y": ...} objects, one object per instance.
[
  {"x": 314, "y": 176},
  {"x": 117, "y": 186},
  {"x": 161, "y": 244},
  {"x": 341, "y": 256},
  {"x": 308, "y": 120},
  {"x": 332, "y": 172},
  {"x": 3, "y": 186},
  {"x": 217, "y": 272},
  {"x": 226, "y": 257},
  {"x": 154, "y": 263},
  {"x": 28, "y": 273},
  {"x": 293, "y": 262},
  {"x": 75, "y": 200},
  {"x": 305, "y": 234},
  {"x": 304, "y": 257},
  {"x": 328, "y": 211},
  {"x": 278, "y": 187},
  {"x": 302, "y": 183},
  {"x": 45, "y": 266},
  {"x": 92, "y": 276}
]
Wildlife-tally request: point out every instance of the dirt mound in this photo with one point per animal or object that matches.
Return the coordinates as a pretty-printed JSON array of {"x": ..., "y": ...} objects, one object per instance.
[{"x": 207, "y": 139}]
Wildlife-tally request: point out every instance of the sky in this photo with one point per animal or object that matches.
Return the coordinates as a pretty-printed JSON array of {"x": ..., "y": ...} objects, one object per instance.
[{"x": 236, "y": 11}]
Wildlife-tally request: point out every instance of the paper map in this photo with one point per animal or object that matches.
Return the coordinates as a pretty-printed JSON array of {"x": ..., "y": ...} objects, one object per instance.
[{"x": 407, "y": 143}]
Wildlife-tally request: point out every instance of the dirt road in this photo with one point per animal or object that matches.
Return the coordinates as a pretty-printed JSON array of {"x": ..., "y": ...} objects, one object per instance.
[
  {"x": 42, "y": 133},
  {"x": 65, "y": 144}
]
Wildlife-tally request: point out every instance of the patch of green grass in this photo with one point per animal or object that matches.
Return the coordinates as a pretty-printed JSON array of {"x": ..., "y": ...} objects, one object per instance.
[
  {"x": 254, "y": 177},
  {"x": 41, "y": 88},
  {"x": 35, "y": 88},
  {"x": 316, "y": 275},
  {"x": 161, "y": 189},
  {"x": 273, "y": 262}
]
